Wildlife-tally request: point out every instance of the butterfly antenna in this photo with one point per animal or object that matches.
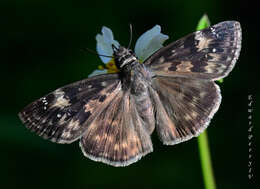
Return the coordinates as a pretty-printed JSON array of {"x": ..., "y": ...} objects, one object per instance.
[
  {"x": 94, "y": 52},
  {"x": 131, "y": 35}
]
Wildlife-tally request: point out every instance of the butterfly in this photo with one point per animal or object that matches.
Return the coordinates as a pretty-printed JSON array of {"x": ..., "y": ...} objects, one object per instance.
[{"x": 114, "y": 115}]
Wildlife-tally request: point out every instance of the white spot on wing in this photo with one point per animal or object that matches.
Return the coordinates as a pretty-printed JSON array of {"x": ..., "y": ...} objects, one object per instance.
[
  {"x": 66, "y": 134},
  {"x": 103, "y": 84},
  {"x": 203, "y": 41},
  {"x": 161, "y": 59},
  {"x": 60, "y": 102},
  {"x": 229, "y": 58}
]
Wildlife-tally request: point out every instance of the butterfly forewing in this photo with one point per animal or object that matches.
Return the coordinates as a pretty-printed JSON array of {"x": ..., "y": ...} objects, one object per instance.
[
  {"x": 207, "y": 54},
  {"x": 61, "y": 116}
]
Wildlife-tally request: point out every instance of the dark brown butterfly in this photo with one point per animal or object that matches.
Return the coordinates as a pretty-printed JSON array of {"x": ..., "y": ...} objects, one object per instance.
[{"x": 114, "y": 115}]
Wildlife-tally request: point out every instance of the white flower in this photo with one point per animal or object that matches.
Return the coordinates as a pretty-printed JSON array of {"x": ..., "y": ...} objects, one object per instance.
[
  {"x": 104, "y": 43},
  {"x": 148, "y": 43}
]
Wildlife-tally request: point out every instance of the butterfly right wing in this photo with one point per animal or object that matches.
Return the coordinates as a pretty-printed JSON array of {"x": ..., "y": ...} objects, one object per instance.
[
  {"x": 63, "y": 115},
  {"x": 207, "y": 54}
]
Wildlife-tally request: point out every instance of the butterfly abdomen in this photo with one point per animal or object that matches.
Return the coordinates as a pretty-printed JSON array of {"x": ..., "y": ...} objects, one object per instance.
[{"x": 139, "y": 88}]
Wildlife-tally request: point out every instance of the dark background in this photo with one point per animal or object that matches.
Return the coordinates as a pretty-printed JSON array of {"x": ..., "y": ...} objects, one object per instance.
[{"x": 40, "y": 50}]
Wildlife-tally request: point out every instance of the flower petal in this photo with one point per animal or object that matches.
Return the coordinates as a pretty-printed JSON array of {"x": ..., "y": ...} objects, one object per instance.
[
  {"x": 104, "y": 44},
  {"x": 97, "y": 72},
  {"x": 149, "y": 42}
]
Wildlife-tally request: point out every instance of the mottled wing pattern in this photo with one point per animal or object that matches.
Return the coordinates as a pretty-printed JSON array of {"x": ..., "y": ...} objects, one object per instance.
[
  {"x": 62, "y": 116},
  {"x": 207, "y": 54},
  {"x": 118, "y": 135},
  {"x": 184, "y": 107}
]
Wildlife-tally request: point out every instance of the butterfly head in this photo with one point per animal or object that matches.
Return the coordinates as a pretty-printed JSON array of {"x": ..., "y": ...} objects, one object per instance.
[{"x": 123, "y": 56}]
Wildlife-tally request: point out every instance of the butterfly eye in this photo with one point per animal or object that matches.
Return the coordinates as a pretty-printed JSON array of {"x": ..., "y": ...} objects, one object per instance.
[{"x": 130, "y": 51}]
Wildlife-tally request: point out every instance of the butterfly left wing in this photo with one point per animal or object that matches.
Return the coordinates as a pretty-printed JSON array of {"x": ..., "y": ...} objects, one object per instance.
[
  {"x": 118, "y": 136},
  {"x": 63, "y": 115},
  {"x": 207, "y": 54}
]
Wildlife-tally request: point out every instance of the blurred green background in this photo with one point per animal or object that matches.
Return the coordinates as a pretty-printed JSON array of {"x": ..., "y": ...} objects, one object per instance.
[{"x": 40, "y": 48}]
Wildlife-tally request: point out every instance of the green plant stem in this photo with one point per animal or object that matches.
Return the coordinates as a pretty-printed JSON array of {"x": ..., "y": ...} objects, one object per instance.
[
  {"x": 205, "y": 159},
  {"x": 204, "y": 150}
]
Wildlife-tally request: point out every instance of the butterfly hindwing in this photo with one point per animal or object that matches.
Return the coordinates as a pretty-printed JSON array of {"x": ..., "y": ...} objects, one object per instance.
[
  {"x": 183, "y": 106},
  {"x": 207, "y": 54},
  {"x": 117, "y": 136},
  {"x": 61, "y": 116}
]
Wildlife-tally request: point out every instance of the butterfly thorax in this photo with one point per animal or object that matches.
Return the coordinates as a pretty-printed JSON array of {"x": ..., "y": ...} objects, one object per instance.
[
  {"x": 135, "y": 76},
  {"x": 124, "y": 57}
]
